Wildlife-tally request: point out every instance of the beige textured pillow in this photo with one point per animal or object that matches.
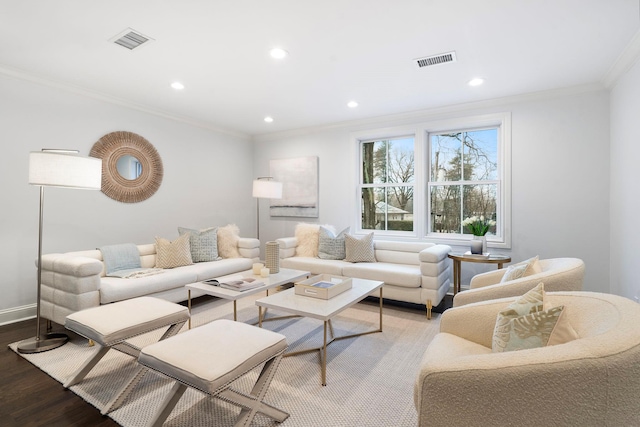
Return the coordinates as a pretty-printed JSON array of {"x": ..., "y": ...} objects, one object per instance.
[
  {"x": 522, "y": 269},
  {"x": 228, "y": 237},
  {"x": 173, "y": 254},
  {"x": 529, "y": 322},
  {"x": 307, "y": 236},
  {"x": 359, "y": 250}
]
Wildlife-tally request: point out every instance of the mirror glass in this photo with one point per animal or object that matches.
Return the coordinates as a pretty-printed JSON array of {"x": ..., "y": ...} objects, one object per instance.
[{"x": 129, "y": 167}]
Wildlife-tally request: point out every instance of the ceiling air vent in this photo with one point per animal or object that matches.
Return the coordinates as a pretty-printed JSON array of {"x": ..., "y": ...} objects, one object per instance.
[
  {"x": 442, "y": 58},
  {"x": 130, "y": 39}
]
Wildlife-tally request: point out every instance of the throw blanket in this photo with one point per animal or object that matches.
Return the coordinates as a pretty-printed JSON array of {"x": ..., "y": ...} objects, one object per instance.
[
  {"x": 120, "y": 257},
  {"x": 135, "y": 273}
]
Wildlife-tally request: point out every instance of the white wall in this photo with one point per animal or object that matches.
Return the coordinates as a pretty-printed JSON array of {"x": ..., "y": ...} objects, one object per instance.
[
  {"x": 207, "y": 181},
  {"x": 560, "y": 175},
  {"x": 625, "y": 196}
]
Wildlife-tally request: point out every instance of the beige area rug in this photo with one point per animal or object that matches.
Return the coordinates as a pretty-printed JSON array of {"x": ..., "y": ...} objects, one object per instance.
[{"x": 369, "y": 378}]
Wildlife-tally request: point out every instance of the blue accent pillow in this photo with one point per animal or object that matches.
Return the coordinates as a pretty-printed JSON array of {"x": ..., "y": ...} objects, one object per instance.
[
  {"x": 331, "y": 246},
  {"x": 204, "y": 243},
  {"x": 120, "y": 257}
]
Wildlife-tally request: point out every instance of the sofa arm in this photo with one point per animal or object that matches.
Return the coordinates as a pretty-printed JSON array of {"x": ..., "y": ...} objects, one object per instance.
[
  {"x": 474, "y": 322},
  {"x": 249, "y": 247},
  {"x": 434, "y": 254},
  {"x": 287, "y": 247}
]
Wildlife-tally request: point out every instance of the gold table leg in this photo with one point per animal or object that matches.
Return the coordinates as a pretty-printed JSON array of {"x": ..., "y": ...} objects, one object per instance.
[
  {"x": 235, "y": 311},
  {"x": 189, "y": 303}
]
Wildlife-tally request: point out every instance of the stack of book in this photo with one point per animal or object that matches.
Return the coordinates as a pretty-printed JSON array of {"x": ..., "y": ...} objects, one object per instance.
[{"x": 236, "y": 283}]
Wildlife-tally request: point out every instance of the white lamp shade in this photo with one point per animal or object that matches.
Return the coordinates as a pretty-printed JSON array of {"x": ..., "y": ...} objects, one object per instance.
[
  {"x": 60, "y": 169},
  {"x": 267, "y": 189}
]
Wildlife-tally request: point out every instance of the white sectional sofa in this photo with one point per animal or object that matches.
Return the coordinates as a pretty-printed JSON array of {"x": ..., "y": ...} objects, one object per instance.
[
  {"x": 75, "y": 281},
  {"x": 415, "y": 272}
]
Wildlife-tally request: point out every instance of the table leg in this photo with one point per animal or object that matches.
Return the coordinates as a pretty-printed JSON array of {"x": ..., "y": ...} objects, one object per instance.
[
  {"x": 380, "y": 308},
  {"x": 500, "y": 265},
  {"x": 189, "y": 303},
  {"x": 456, "y": 277},
  {"x": 235, "y": 311},
  {"x": 260, "y": 317},
  {"x": 323, "y": 356}
]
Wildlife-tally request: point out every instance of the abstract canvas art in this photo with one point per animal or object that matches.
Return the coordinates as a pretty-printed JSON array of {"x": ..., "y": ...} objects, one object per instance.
[{"x": 299, "y": 179}]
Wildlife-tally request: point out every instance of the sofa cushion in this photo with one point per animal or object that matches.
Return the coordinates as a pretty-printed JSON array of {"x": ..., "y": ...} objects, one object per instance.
[
  {"x": 173, "y": 254},
  {"x": 359, "y": 249},
  {"x": 406, "y": 276},
  {"x": 228, "y": 237},
  {"x": 314, "y": 265},
  {"x": 203, "y": 243},
  {"x": 115, "y": 289},
  {"x": 213, "y": 269},
  {"x": 330, "y": 245}
]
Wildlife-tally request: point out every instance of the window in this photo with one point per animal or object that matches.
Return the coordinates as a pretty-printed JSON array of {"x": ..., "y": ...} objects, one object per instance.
[
  {"x": 423, "y": 181},
  {"x": 463, "y": 180},
  {"x": 387, "y": 184}
]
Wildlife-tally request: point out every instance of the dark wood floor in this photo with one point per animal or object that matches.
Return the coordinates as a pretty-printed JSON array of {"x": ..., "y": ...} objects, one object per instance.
[{"x": 29, "y": 397}]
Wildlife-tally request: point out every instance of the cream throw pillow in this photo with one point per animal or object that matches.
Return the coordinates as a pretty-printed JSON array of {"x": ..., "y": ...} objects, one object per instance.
[
  {"x": 228, "y": 237},
  {"x": 528, "y": 323},
  {"x": 173, "y": 254},
  {"x": 359, "y": 250},
  {"x": 522, "y": 269}
]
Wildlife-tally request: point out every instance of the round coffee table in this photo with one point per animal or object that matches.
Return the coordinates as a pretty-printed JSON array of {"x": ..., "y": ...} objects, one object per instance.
[{"x": 459, "y": 258}]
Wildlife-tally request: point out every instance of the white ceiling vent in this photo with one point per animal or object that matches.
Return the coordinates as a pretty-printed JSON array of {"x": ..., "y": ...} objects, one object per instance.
[
  {"x": 130, "y": 39},
  {"x": 442, "y": 58}
]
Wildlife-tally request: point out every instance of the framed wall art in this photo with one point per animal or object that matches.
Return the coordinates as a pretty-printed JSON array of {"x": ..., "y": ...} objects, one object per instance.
[{"x": 299, "y": 177}]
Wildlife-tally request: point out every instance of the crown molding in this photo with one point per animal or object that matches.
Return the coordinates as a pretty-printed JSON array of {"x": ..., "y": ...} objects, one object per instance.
[
  {"x": 436, "y": 112},
  {"x": 78, "y": 90},
  {"x": 627, "y": 59}
]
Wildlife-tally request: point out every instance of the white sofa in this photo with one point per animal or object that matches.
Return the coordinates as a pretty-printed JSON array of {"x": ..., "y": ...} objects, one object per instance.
[
  {"x": 593, "y": 380},
  {"x": 415, "y": 272},
  {"x": 75, "y": 281}
]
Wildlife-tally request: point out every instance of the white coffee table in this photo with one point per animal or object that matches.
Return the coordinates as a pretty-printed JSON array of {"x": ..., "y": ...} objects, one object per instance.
[
  {"x": 284, "y": 276},
  {"x": 300, "y": 305}
]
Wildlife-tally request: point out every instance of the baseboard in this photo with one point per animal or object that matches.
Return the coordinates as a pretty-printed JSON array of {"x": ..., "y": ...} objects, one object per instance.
[{"x": 17, "y": 314}]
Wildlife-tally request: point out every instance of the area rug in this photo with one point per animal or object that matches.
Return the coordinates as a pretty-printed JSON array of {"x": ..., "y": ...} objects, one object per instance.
[{"x": 369, "y": 378}]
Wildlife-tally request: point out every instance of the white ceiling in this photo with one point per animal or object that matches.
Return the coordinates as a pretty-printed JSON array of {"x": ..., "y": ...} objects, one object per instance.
[{"x": 340, "y": 50}]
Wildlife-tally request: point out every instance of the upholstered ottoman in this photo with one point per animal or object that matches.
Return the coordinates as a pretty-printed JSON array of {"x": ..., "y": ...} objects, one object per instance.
[
  {"x": 110, "y": 325},
  {"x": 209, "y": 358}
]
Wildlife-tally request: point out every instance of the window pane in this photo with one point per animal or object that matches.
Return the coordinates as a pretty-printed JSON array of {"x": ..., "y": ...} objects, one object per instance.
[
  {"x": 400, "y": 160},
  {"x": 393, "y": 212},
  {"x": 445, "y": 157},
  {"x": 389, "y": 160},
  {"x": 445, "y": 209},
  {"x": 481, "y": 154},
  {"x": 481, "y": 201}
]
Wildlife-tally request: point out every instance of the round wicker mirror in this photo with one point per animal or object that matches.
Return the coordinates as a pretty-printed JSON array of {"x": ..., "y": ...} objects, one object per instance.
[{"x": 146, "y": 161}]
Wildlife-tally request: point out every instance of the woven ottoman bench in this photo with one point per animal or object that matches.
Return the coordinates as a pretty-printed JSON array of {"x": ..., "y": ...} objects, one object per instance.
[
  {"x": 209, "y": 358},
  {"x": 110, "y": 325}
]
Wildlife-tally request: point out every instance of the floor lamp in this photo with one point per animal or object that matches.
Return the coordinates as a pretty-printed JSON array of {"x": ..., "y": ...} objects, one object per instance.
[
  {"x": 263, "y": 188},
  {"x": 56, "y": 168}
]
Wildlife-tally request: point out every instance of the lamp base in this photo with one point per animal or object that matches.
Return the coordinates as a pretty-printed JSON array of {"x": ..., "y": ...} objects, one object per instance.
[{"x": 45, "y": 343}]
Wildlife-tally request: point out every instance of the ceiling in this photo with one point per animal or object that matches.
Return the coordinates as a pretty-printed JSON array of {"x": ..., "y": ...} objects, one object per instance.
[{"x": 339, "y": 51}]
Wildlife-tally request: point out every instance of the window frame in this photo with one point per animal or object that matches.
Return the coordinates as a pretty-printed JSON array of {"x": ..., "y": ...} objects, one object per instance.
[{"x": 422, "y": 174}]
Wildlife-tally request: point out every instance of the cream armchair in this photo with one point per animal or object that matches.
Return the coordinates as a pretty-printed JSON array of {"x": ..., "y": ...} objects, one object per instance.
[
  {"x": 558, "y": 274},
  {"x": 591, "y": 381}
]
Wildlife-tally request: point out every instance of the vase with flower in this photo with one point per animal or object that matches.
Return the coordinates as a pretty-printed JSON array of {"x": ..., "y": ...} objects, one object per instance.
[{"x": 478, "y": 226}]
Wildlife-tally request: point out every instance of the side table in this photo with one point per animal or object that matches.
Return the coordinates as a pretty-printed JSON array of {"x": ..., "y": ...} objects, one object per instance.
[{"x": 458, "y": 258}]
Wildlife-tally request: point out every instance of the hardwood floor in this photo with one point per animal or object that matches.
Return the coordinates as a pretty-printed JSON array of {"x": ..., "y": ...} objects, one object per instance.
[{"x": 29, "y": 397}]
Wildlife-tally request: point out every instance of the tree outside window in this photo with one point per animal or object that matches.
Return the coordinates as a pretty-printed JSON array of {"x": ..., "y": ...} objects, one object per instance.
[{"x": 387, "y": 184}]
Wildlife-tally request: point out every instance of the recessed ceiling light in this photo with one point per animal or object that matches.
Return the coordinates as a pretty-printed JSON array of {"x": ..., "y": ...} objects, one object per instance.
[
  {"x": 352, "y": 104},
  {"x": 476, "y": 82},
  {"x": 177, "y": 85},
  {"x": 268, "y": 119},
  {"x": 278, "y": 53}
]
